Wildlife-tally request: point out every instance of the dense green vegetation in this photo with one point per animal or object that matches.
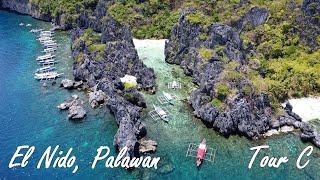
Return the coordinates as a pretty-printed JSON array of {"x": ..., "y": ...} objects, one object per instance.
[
  {"x": 92, "y": 41},
  {"x": 218, "y": 104},
  {"x": 150, "y": 19},
  {"x": 66, "y": 8},
  {"x": 128, "y": 85}
]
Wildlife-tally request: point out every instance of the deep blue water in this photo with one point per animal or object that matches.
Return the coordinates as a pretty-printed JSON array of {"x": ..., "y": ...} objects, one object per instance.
[{"x": 28, "y": 116}]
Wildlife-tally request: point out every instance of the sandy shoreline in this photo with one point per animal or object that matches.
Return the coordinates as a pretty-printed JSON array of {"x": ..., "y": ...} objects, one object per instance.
[
  {"x": 307, "y": 108},
  {"x": 143, "y": 43}
]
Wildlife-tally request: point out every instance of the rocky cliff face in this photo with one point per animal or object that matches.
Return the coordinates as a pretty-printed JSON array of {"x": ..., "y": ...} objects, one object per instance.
[
  {"x": 25, "y": 7},
  {"x": 119, "y": 58},
  {"x": 309, "y": 23},
  {"x": 208, "y": 61},
  {"x": 248, "y": 116}
]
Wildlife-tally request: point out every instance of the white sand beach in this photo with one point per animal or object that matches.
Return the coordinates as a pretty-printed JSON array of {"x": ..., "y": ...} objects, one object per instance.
[
  {"x": 307, "y": 108},
  {"x": 143, "y": 43}
]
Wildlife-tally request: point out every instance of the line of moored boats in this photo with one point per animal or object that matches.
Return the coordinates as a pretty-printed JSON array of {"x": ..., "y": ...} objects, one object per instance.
[{"x": 47, "y": 71}]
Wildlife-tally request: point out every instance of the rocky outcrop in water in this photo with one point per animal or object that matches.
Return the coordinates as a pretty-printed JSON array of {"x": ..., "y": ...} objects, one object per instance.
[
  {"x": 75, "y": 108},
  {"x": 67, "y": 84},
  {"x": 147, "y": 146},
  {"x": 208, "y": 61},
  {"x": 119, "y": 58}
]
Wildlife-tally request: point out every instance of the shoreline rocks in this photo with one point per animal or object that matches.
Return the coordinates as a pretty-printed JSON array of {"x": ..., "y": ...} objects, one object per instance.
[
  {"x": 67, "y": 84},
  {"x": 96, "y": 98},
  {"x": 71, "y": 84},
  {"x": 75, "y": 108},
  {"x": 147, "y": 146},
  {"x": 76, "y": 112}
]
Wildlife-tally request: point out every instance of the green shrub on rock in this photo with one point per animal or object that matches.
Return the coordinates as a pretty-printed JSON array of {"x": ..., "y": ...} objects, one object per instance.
[
  {"x": 222, "y": 91},
  {"x": 206, "y": 53}
]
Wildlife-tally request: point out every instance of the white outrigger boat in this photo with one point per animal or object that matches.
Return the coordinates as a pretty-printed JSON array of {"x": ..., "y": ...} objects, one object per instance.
[
  {"x": 167, "y": 98},
  {"x": 48, "y": 42},
  {"x": 28, "y": 25},
  {"x": 45, "y": 57},
  {"x": 49, "y": 50},
  {"x": 47, "y": 62},
  {"x": 160, "y": 113},
  {"x": 47, "y": 75},
  {"x": 46, "y": 34},
  {"x": 42, "y": 39},
  {"x": 35, "y": 30},
  {"x": 51, "y": 45},
  {"x": 46, "y": 69},
  {"x": 21, "y": 24}
]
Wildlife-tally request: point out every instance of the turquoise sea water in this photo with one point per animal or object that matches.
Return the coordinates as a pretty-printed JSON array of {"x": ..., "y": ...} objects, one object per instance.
[{"x": 28, "y": 116}]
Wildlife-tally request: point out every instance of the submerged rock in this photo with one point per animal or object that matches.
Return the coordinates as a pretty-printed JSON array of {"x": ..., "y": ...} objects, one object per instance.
[
  {"x": 147, "y": 146},
  {"x": 74, "y": 106},
  {"x": 76, "y": 112},
  {"x": 67, "y": 84}
]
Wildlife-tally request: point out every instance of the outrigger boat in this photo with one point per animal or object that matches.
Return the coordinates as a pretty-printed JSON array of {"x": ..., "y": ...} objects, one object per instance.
[
  {"x": 28, "y": 25},
  {"x": 166, "y": 98},
  {"x": 201, "y": 152},
  {"x": 46, "y": 69},
  {"x": 46, "y": 33},
  {"x": 21, "y": 24},
  {"x": 49, "y": 50},
  {"x": 160, "y": 113},
  {"x": 42, "y": 39},
  {"x": 35, "y": 30},
  {"x": 46, "y": 76},
  {"x": 47, "y": 62},
  {"x": 48, "y": 42},
  {"x": 174, "y": 85},
  {"x": 52, "y": 45},
  {"x": 45, "y": 57}
]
